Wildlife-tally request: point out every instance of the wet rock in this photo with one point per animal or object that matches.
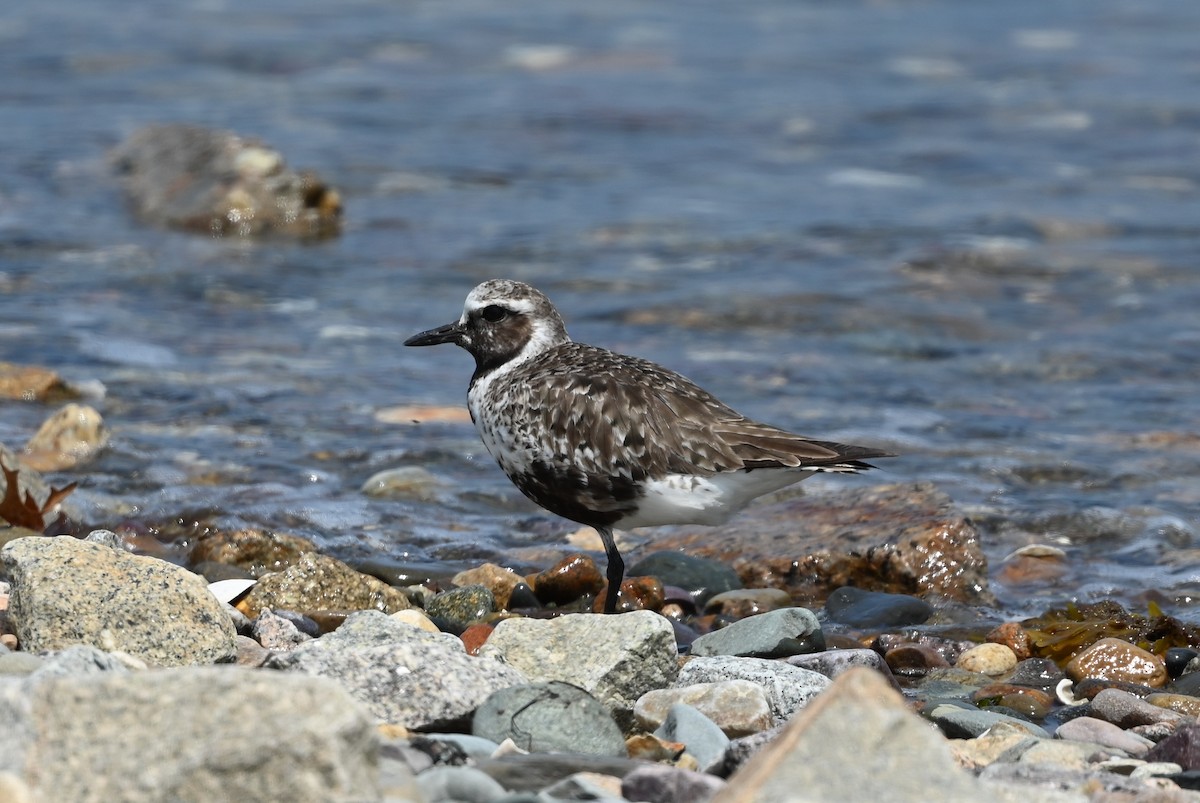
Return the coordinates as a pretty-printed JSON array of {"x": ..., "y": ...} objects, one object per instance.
[
  {"x": 406, "y": 482},
  {"x": 904, "y": 538},
  {"x": 217, "y": 183},
  {"x": 549, "y": 717},
  {"x": 737, "y": 707},
  {"x": 1060, "y": 633},
  {"x": 743, "y": 602},
  {"x": 1090, "y": 729},
  {"x": 889, "y": 754},
  {"x": 73, "y": 435},
  {"x": 1179, "y": 660},
  {"x": 701, "y": 577},
  {"x": 462, "y": 606},
  {"x": 637, "y": 594},
  {"x": 874, "y": 609},
  {"x": 1116, "y": 659},
  {"x": 257, "y": 552},
  {"x": 497, "y": 579},
  {"x": 1088, "y": 689},
  {"x": 961, "y": 721},
  {"x": 948, "y": 649},
  {"x": 660, "y": 784},
  {"x": 573, "y": 577},
  {"x": 1182, "y": 748},
  {"x": 787, "y": 688},
  {"x": 832, "y": 663},
  {"x": 67, "y": 592},
  {"x": 1188, "y": 683},
  {"x": 913, "y": 660},
  {"x": 1037, "y": 673},
  {"x": 1013, "y": 636},
  {"x": 475, "y": 636},
  {"x": 703, "y": 739},
  {"x": 305, "y": 739},
  {"x": 788, "y": 631},
  {"x": 1180, "y": 703},
  {"x": 949, "y": 683},
  {"x": 1032, "y": 703},
  {"x": 404, "y": 675},
  {"x": 32, "y": 383},
  {"x": 988, "y": 659},
  {"x": 522, "y": 598},
  {"x": 277, "y": 633},
  {"x": 316, "y": 582},
  {"x": 1127, "y": 711},
  {"x": 615, "y": 658}
]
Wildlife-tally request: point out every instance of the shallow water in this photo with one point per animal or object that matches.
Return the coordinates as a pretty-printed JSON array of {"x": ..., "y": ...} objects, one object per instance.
[{"x": 966, "y": 232}]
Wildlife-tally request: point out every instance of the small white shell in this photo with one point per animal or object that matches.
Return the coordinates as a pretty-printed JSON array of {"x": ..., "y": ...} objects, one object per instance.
[
  {"x": 1066, "y": 693},
  {"x": 230, "y": 590}
]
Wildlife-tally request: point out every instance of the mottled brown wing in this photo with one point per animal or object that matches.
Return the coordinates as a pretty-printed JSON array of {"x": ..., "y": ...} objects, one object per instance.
[{"x": 612, "y": 415}]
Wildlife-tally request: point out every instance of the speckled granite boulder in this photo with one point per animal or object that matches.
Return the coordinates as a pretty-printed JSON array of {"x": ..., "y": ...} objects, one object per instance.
[{"x": 66, "y": 592}]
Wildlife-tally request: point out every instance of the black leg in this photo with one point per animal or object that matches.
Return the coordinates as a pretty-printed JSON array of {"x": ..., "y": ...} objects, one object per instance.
[{"x": 616, "y": 569}]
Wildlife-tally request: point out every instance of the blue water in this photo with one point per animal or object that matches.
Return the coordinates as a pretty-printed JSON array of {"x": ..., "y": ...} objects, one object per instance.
[{"x": 963, "y": 231}]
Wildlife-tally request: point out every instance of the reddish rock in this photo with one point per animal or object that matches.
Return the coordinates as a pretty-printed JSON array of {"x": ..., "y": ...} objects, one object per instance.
[
  {"x": 913, "y": 660},
  {"x": 637, "y": 594},
  {"x": 905, "y": 538},
  {"x": 497, "y": 579},
  {"x": 572, "y": 577},
  {"x": 1013, "y": 636},
  {"x": 1116, "y": 659},
  {"x": 1033, "y": 703},
  {"x": 475, "y": 637}
]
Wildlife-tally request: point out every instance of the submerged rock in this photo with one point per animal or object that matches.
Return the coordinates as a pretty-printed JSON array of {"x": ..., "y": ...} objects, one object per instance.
[
  {"x": 71, "y": 436},
  {"x": 219, "y": 183},
  {"x": 905, "y": 538}
]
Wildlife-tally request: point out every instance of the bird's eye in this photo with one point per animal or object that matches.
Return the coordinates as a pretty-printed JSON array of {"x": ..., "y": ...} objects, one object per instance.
[{"x": 494, "y": 313}]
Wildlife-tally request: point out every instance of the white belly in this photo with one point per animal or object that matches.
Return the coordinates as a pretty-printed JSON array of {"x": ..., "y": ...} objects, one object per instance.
[{"x": 684, "y": 499}]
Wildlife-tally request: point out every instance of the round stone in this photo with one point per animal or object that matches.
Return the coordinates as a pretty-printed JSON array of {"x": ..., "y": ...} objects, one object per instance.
[{"x": 988, "y": 659}]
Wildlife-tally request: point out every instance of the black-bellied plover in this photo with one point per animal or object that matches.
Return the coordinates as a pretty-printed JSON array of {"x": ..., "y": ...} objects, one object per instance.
[{"x": 608, "y": 440}]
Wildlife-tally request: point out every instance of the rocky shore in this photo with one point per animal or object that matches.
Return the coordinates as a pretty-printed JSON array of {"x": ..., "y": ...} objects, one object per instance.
[
  {"x": 295, "y": 677},
  {"x": 824, "y": 646}
]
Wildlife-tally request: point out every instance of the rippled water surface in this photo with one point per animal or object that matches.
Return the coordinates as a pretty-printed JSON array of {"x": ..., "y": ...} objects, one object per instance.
[{"x": 967, "y": 232}]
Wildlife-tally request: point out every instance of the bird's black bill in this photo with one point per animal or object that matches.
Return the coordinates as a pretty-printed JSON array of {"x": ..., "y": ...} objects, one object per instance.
[{"x": 443, "y": 334}]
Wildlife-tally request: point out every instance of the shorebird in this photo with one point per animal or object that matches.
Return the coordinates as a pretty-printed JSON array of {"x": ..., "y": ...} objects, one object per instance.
[{"x": 608, "y": 440}]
